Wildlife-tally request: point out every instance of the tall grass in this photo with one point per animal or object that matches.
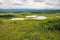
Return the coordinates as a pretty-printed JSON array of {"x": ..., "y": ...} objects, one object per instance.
[{"x": 30, "y": 29}]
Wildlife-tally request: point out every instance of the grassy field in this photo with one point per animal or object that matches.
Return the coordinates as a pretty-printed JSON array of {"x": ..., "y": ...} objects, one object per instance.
[{"x": 48, "y": 29}]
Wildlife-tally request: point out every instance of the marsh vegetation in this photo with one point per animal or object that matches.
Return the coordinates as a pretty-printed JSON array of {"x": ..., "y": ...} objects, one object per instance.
[{"x": 30, "y": 29}]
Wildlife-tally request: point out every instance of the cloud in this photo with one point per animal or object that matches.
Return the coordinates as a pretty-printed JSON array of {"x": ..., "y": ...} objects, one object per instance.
[{"x": 38, "y": 4}]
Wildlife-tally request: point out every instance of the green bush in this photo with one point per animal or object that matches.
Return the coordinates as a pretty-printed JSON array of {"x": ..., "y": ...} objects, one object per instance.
[
  {"x": 6, "y": 16},
  {"x": 51, "y": 25}
]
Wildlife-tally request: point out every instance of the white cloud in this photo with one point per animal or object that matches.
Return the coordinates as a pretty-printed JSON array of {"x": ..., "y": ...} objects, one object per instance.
[{"x": 30, "y": 4}]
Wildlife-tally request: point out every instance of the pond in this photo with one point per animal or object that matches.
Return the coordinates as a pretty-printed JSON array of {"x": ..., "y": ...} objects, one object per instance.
[{"x": 17, "y": 19}]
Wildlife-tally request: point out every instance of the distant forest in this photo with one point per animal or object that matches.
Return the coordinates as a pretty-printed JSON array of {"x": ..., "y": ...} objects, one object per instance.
[{"x": 29, "y": 10}]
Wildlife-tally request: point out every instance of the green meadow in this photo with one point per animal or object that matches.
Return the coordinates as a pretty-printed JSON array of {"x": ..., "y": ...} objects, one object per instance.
[{"x": 48, "y": 29}]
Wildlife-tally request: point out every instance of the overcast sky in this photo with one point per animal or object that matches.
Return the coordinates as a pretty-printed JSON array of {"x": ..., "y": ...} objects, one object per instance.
[{"x": 38, "y": 4}]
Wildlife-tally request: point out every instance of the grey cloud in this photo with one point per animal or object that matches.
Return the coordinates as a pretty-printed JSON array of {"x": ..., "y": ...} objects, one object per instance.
[
  {"x": 53, "y": 2},
  {"x": 58, "y": 4},
  {"x": 24, "y": 0},
  {"x": 38, "y": 0},
  {"x": 0, "y": 3},
  {"x": 17, "y": 4},
  {"x": 45, "y": 3}
]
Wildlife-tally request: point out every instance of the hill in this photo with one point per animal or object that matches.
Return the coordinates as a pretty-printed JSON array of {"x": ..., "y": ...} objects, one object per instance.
[{"x": 31, "y": 10}]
